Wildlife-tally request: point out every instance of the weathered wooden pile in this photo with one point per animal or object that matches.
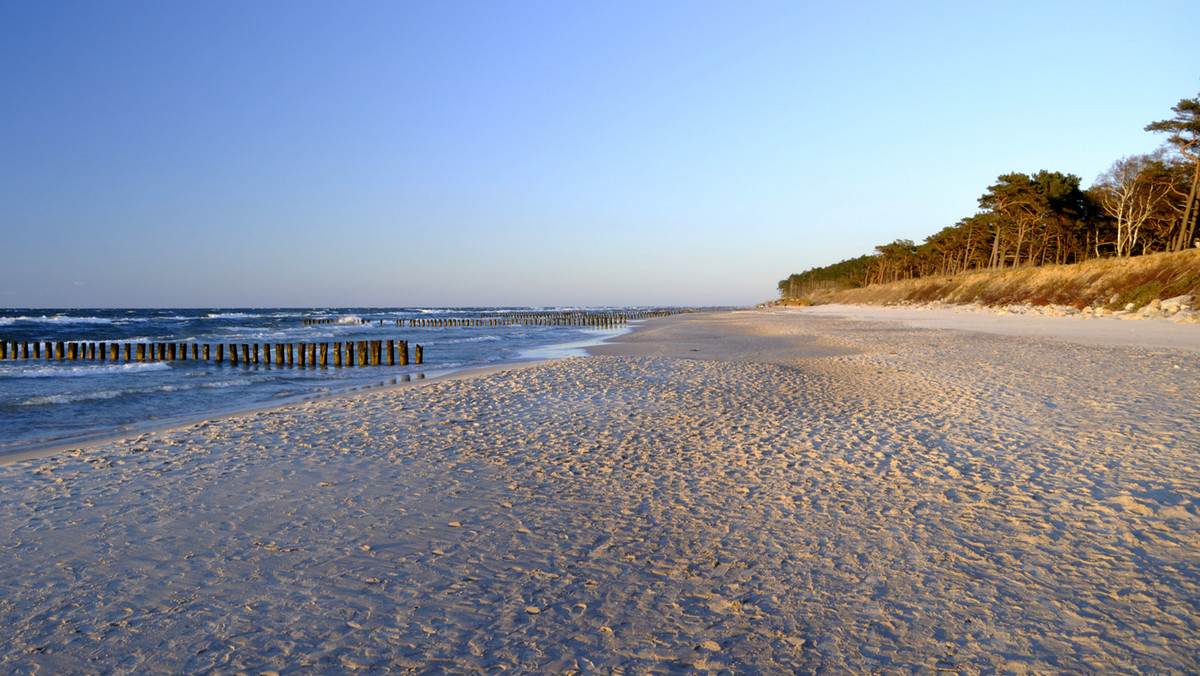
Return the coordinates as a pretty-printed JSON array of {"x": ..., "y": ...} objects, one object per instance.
[
  {"x": 349, "y": 353},
  {"x": 569, "y": 318},
  {"x": 313, "y": 321}
]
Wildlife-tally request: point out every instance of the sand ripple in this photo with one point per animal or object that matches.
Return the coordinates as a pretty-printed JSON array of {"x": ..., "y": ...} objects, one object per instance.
[{"x": 849, "y": 497}]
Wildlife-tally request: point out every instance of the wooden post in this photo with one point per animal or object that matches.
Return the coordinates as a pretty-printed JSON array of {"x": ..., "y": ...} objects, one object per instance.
[
  {"x": 312, "y": 354},
  {"x": 349, "y": 353},
  {"x": 233, "y": 357},
  {"x": 391, "y": 353},
  {"x": 290, "y": 354},
  {"x": 337, "y": 354},
  {"x": 419, "y": 355},
  {"x": 207, "y": 352},
  {"x": 324, "y": 354},
  {"x": 404, "y": 353}
]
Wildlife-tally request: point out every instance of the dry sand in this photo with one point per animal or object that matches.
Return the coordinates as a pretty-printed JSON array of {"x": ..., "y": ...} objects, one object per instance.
[{"x": 726, "y": 493}]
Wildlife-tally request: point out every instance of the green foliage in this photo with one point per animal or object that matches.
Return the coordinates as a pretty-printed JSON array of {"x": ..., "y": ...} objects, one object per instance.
[
  {"x": 1184, "y": 128},
  {"x": 1046, "y": 218},
  {"x": 847, "y": 274},
  {"x": 1138, "y": 295}
]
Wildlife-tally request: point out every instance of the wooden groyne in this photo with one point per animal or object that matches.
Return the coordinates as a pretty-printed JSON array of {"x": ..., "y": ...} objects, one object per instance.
[
  {"x": 309, "y": 321},
  {"x": 599, "y": 320},
  {"x": 348, "y": 353}
]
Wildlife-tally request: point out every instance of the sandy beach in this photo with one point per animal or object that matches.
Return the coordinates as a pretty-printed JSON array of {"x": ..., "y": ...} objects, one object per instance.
[{"x": 742, "y": 492}]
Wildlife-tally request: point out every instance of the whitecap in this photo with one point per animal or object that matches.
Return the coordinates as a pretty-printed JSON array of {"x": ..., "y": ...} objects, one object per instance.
[
  {"x": 56, "y": 319},
  {"x": 72, "y": 398},
  {"x": 473, "y": 339},
  {"x": 85, "y": 371}
]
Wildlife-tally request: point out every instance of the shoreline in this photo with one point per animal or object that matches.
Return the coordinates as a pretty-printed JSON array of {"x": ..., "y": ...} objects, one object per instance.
[
  {"x": 754, "y": 491},
  {"x": 1076, "y": 329},
  {"x": 43, "y": 448}
]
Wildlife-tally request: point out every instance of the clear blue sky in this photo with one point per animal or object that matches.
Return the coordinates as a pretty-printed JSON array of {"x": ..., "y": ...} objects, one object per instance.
[{"x": 488, "y": 153}]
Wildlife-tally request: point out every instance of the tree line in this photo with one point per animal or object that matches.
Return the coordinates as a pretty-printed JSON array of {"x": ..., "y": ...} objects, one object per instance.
[{"x": 1141, "y": 204}]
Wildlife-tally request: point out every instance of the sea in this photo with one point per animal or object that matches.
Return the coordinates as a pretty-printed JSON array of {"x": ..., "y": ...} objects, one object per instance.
[{"x": 52, "y": 403}]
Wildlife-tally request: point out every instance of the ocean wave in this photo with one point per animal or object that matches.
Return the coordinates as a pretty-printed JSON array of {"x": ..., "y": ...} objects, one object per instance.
[
  {"x": 56, "y": 319},
  {"x": 231, "y": 383},
  {"x": 76, "y": 397},
  {"x": 85, "y": 371},
  {"x": 72, "y": 398},
  {"x": 472, "y": 339}
]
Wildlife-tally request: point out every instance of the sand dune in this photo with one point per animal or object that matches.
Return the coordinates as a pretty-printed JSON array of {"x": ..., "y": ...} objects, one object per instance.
[{"x": 737, "y": 493}]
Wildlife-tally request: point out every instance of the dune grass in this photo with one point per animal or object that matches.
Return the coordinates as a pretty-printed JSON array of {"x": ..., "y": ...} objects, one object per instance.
[{"x": 1111, "y": 283}]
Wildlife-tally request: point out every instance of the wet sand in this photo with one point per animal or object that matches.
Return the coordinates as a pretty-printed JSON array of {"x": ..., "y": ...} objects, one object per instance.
[{"x": 727, "y": 493}]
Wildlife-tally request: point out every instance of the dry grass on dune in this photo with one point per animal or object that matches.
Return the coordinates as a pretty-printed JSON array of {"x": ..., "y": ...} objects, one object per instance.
[{"x": 1108, "y": 282}]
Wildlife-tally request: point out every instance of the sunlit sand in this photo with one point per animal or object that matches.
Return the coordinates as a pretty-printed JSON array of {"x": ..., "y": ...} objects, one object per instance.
[{"x": 737, "y": 492}]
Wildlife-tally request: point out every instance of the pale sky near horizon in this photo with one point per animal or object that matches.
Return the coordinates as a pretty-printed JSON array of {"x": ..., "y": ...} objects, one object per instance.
[{"x": 253, "y": 154}]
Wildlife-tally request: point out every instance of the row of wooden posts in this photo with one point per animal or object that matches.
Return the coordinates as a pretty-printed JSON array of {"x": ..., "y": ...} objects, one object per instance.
[
  {"x": 334, "y": 320},
  {"x": 597, "y": 320},
  {"x": 357, "y": 353}
]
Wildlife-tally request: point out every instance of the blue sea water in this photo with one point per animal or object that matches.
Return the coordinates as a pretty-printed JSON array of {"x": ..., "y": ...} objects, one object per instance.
[{"x": 48, "y": 402}]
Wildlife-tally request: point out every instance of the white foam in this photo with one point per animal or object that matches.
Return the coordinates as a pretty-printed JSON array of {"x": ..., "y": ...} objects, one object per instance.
[
  {"x": 57, "y": 319},
  {"x": 473, "y": 339},
  {"x": 54, "y": 371}
]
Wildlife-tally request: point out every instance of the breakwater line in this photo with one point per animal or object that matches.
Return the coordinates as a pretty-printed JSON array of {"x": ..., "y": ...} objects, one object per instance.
[
  {"x": 601, "y": 320},
  {"x": 349, "y": 353},
  {"x": 45, "y": 395}
]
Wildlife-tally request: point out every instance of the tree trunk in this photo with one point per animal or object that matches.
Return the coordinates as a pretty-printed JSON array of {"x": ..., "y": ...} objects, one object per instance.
[{"x": 1187, "y": 226}]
